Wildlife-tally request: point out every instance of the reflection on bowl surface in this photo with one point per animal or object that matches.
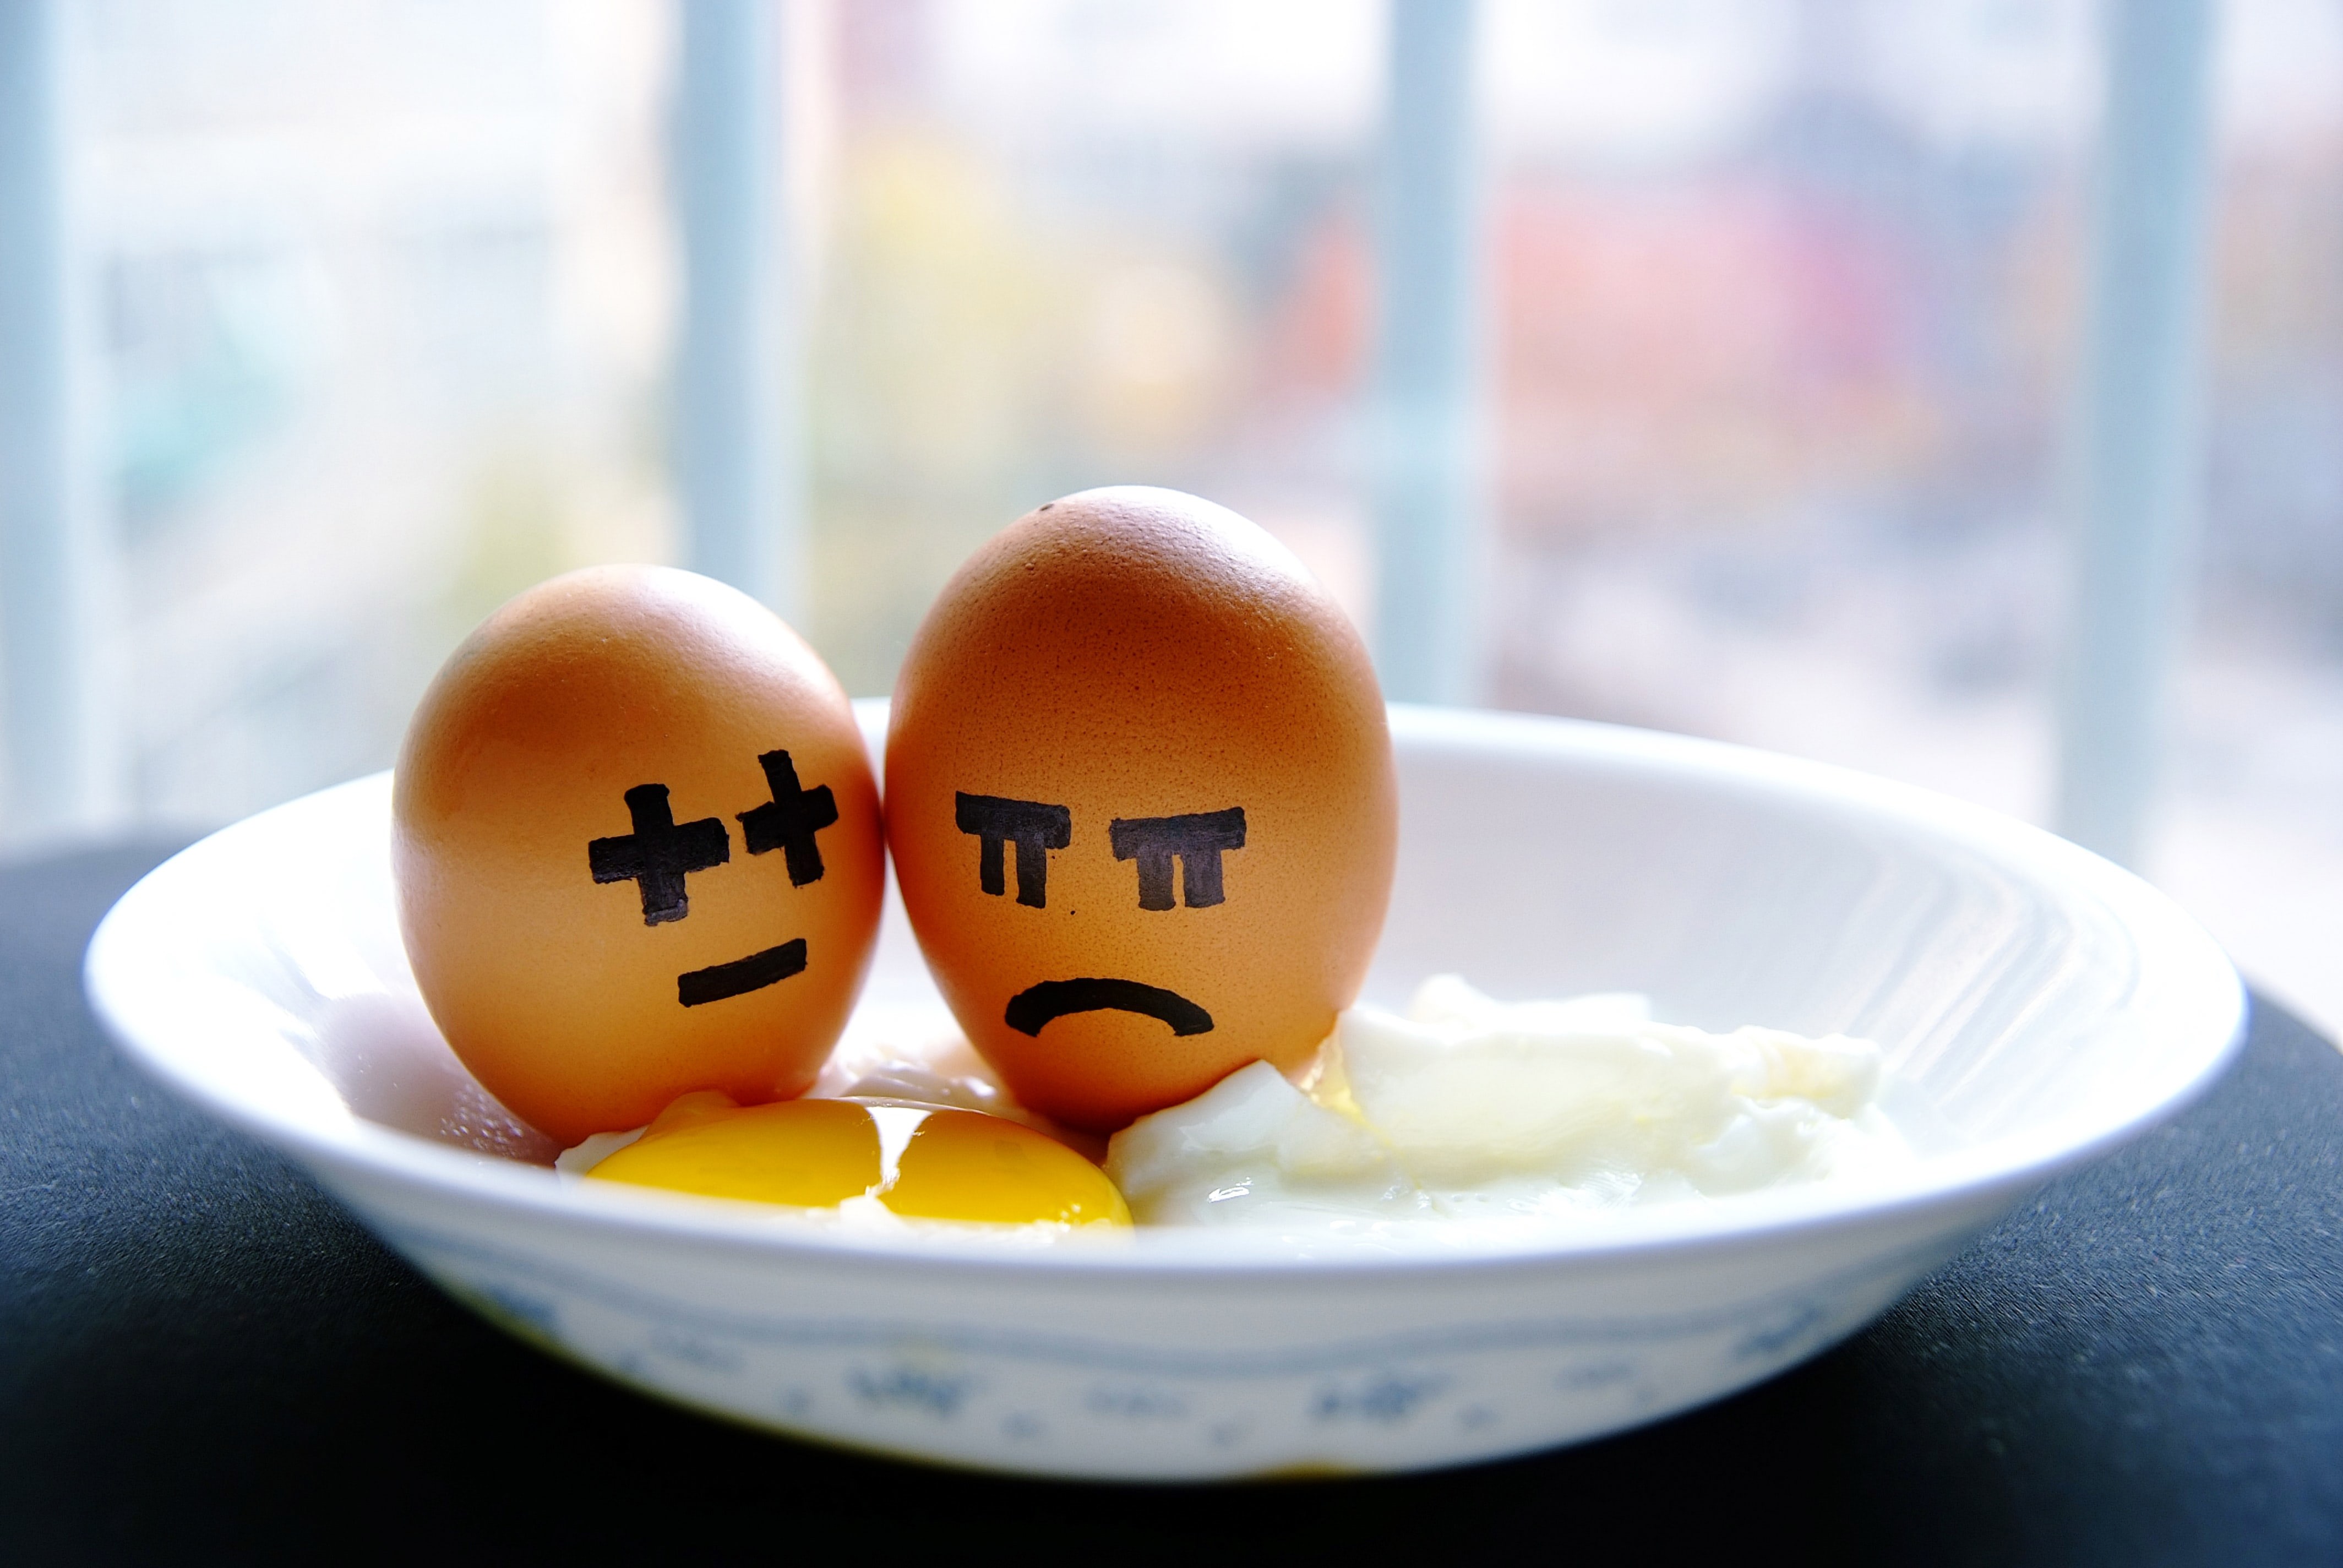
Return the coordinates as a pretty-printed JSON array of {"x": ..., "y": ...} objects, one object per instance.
[{"x": 2049, "y": 1004}]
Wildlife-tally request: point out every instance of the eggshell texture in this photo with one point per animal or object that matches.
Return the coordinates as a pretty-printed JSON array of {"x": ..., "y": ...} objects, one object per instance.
[
  {"x": 1106, "y": 698},
  {"x": 587, "y": 963}
]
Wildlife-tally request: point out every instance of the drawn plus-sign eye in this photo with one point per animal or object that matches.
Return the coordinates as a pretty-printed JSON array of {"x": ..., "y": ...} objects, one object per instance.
[
  {"x": 659, "y": 853},
  {"x": 1034, "y": 826},
  {"x": 1195, "y": 840},
  {"x": 789, "y": 821}
]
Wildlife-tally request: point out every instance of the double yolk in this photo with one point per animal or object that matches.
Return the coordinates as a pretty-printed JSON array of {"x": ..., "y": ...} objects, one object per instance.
[{"x": 917, "y": 1161}]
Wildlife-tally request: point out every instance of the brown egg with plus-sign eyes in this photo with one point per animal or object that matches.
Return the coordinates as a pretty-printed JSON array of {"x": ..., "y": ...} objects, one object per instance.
[
  {"x": 1141, "y": 802},
  {"x": 638, "y": 851}
]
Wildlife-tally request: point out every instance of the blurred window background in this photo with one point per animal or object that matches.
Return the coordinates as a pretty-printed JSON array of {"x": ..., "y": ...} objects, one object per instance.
[{"x": 1780, "y": 307}]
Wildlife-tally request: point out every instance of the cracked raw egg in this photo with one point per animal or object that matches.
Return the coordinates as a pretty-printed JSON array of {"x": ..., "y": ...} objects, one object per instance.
[
  {"x": 638, "y": 851},
  {"x": 918, "y": 1162},
  {"x": 1141, "y": 802}
]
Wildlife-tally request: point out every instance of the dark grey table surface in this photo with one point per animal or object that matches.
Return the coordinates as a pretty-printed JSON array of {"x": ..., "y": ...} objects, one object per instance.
[{"x": 202, "y": 1356}]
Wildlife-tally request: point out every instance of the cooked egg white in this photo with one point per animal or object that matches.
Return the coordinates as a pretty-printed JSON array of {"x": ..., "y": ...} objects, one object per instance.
[
  {"x": 1464, "y": 1113},
  {"x": 1470, "y": 1108}
]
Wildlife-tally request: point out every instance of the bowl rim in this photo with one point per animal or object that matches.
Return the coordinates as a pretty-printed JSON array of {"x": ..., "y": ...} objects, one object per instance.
[{"x": 2177, "y": 955}]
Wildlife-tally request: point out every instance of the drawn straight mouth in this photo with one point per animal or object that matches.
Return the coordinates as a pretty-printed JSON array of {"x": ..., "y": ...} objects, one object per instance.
[
  {"x": 1031, "y": 1007},
  {"x": 741, "y": 976}
]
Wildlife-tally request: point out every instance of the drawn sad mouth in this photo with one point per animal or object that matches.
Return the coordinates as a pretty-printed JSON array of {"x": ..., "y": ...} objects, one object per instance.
[{"x": 1031, "y": 1007}]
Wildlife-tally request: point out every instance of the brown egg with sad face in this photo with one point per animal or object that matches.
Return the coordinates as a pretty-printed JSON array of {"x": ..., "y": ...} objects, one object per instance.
[{"x": 1141, "y": 801}]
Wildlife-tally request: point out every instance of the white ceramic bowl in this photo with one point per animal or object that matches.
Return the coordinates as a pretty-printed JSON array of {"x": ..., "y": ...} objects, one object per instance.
[{"x": 2050, "y": 1004}]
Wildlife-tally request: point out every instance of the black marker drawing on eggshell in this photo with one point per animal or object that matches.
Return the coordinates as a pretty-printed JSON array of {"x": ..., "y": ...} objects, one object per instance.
[
  {"x": 741, "y": 976},
  {"x": 1196, "y": 840},
  {"x": 789, "y": 821},
  {"x": 1033, "y": 825},
  {"x": 1035, "y": 1006},
  {"x": 658, "y": 853}
]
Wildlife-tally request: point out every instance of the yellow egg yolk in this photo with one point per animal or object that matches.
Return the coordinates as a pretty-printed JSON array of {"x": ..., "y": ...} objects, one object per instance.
[{"x": 920, "y": 1163}]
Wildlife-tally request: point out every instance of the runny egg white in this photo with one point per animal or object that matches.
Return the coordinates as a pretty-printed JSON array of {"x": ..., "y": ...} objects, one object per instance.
[
  {"x": 1470, "y": 1109},
  {"x": 1461, "y": 1114}
]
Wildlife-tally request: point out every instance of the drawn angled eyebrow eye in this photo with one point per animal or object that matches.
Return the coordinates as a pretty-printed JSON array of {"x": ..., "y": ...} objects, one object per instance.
[
  {"x": 1035, "y": 827},
  {"x": 1195, "y": 839}
]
